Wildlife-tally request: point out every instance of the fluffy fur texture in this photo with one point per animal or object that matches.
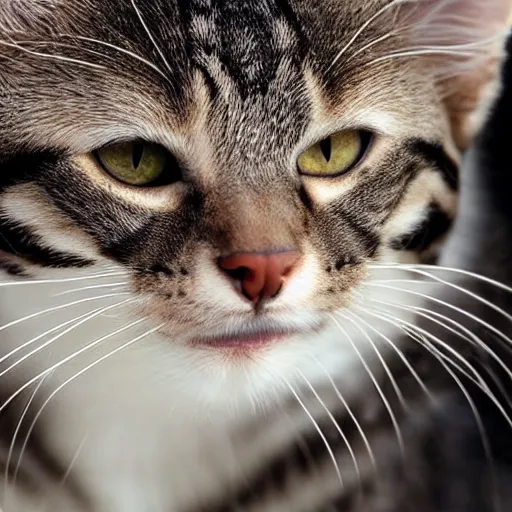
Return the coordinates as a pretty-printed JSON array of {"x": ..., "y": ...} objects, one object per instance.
[{"x": 115, "y": 396}]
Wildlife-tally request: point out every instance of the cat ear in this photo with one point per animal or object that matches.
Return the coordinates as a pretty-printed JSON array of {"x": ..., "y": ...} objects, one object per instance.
[{"x": 464, "y": 43}]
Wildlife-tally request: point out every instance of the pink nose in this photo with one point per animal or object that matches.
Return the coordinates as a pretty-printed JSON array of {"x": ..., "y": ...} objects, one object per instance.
[{"x": 261, "y": 275}]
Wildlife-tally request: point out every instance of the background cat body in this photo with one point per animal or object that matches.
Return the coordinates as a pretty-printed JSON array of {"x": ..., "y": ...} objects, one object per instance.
[{"x": 125, "y": 400}]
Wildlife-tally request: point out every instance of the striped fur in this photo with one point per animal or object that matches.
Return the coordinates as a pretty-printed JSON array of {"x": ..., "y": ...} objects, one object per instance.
[{"x": 111, "y": 400}]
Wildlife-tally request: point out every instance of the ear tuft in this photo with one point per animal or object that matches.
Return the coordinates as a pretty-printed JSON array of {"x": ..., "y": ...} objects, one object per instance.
[{"x": 463, "y": 41}]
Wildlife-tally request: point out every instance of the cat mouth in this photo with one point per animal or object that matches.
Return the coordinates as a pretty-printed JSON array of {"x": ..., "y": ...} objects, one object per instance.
[{"x": 248, "y": 340}]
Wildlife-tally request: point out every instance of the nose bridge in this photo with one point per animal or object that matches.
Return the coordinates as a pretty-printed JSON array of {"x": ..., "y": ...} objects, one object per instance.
[{"x": 256, "y": 221}]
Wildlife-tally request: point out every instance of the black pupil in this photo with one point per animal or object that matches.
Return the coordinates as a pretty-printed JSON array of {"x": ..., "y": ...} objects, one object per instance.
[
  {"x": 137, "y": 152},
  {"x": 326, "y": 148}
]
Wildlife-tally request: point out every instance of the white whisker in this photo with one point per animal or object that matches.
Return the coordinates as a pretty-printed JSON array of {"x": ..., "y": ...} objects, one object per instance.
[
  {"x": 59, "y": 281},
  {"x": 452, "y": 307},
  {"x": 385, "y": 401},
  {"x": 121, "y": 50},
  {"x": 336, "y": 425},
  {"x": 371, "y": 44},
  {"x": 480, "y": 425},
  {"x": 453, "y": 286},
  {"x": 150, "y": 35},
  {"x": 73, "y": 461},
  {"x": 80, "y": 373},
  {"x": 399, "y": 353},
  {"x": 363, "y": 27},
  {"x": 352, "y": 416},
  {"x": 94, "y": 287},
  {"x": 469, "y": 49},
  {"x": 299, "y": 436},
  {"x": 58, "y": 308},
  {"x": 414, "y": 331},
  {"x": 66, "y": 360},
  {"x": 45, "y": 333},
  {"x": 404, "y": 324},
  {"x": 61, "y": 334},
  {"x": 15, "y": 435},
  {"x": 418, "y": 53},
  {"x": 41, "y": 43},
  {"x": 401, "y": 266},
  {"x": 466, "y": 334},
  {"x": 52, "y": 56},
  {"x": 317, "y": 428},
  {"x": 378, "y": 354}
]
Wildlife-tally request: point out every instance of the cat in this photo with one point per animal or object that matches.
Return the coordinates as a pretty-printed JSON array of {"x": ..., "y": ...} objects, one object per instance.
[{"x": 213, "y": 218}]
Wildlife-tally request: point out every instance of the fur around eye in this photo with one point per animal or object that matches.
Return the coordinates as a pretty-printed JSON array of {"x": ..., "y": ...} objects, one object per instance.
[
  {"x": 335, "y": 155},
  {"x": 139, "y": 163},
  {"x": 220, "y": 323}
]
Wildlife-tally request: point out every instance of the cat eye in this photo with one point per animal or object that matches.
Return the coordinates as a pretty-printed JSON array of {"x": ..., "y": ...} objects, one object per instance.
[
  {"x": 139, "y": 163},
  {"x": 335, "y": 155}
]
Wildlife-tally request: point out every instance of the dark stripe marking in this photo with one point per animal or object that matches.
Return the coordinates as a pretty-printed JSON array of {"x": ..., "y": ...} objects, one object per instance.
[
  {"x": 294, "y": 459},
  {"x": 42, "y": 460},
  {"x": 436, "y": 156},
  {"x": 436, "y": 224},
  {"x": 251, "y": 69},
  {"x": 305, "y": 199},
  {"x": 368, "y": 237},
  {"x": 293, "y": 21},
  {"x": 209, "y": 81},
  {"x": 18, "y": 241}
]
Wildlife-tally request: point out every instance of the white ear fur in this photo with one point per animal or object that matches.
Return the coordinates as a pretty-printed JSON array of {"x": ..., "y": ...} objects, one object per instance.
[
  {"x": 465, "y": 29},
  {"x": 463, "y": 41}
]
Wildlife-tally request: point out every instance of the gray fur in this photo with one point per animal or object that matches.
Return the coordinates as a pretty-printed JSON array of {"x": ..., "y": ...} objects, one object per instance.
[{"x": 236, "y": 91}]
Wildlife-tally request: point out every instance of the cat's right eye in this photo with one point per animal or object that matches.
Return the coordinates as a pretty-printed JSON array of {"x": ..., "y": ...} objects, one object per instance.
[
  {"x": 336, "y": 155},
  {"x": 139, "y": 163}
]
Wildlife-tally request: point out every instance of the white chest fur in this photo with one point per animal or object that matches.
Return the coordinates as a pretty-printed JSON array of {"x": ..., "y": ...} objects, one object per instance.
[{"x": 150, "y": 425}]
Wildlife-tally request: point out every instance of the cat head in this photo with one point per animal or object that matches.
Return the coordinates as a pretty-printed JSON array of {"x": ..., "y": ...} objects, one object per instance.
[{"x": 243, "y": 162}]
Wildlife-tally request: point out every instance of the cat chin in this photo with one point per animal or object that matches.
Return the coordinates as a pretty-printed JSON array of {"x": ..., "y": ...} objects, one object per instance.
[{"x": 265, "y": 377}]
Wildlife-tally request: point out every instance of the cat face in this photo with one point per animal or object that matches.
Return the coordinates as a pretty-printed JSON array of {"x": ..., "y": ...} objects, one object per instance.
[{"x": 242, "y": 161}]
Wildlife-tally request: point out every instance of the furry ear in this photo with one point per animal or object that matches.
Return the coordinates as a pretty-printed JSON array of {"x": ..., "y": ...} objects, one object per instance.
[{"x": 463, "y": 42}]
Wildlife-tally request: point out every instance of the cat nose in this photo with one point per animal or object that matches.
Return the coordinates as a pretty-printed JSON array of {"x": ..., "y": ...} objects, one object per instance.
[{"x": 260, "y": 275}]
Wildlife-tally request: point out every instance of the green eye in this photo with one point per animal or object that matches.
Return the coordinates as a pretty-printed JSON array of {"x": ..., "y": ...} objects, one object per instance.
[
  {"x": 139, "y": 163},
  {"x": 334, "y": 155}
]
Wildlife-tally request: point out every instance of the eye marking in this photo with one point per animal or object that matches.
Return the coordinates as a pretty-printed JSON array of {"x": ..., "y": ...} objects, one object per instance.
[
  {"x": 139, "y": 163},
  {"x": 335, "y": 155}
]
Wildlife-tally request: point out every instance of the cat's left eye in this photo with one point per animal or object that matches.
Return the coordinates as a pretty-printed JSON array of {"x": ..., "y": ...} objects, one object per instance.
[
  {"x": 335, "y": 155},
  {"x": 139, "y": 163}
]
